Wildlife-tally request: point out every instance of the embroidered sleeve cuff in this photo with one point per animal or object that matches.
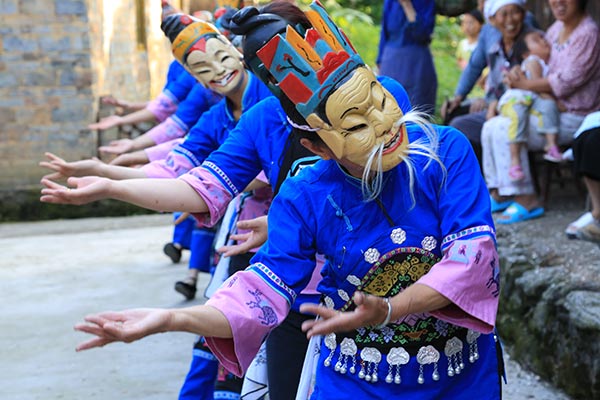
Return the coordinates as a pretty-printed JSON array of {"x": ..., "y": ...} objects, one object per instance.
[
  {"x": 163, "y": 106},
  {"x": 469, "y": 276},
  {"x": 253, "y": 308},
  {"x": 212, "y": 192}
]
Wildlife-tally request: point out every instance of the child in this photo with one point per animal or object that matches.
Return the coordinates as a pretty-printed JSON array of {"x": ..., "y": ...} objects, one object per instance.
[
  {"x": 517, "y": 104},
  {"x": 470, "y": 25}
]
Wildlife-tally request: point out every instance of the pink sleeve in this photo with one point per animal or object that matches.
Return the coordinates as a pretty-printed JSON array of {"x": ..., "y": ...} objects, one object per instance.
[
  {"x": 253, "y": 308},
  {"x": 212, "y": 192},
  {"x": 167, "y": 130},
  {"x": 161, "y": 151},
  {"x": 469, "y": 276},
  {"x": 162, "y": 106}
]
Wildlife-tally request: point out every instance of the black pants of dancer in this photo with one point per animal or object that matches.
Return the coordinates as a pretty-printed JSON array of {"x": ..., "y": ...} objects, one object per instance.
[{"x": 286, "y": 348}]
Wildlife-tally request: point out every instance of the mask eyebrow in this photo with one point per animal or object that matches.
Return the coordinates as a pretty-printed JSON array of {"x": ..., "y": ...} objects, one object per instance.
[{"x": 347, "y": 111}]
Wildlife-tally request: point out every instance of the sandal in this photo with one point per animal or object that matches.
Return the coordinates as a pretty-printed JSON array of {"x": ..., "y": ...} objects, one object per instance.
[
  {"x": 173, "y": 252},
  {"x": 498, "y": 206},
  {"x": 553, "y": 154},
  {"x": 187, "y": 288},
  {"x": 515, "y": 173},
  {"x": 590, "y": 232},
  {"x": 517, "y": 213},
  {"x": 574, "y": 226}
]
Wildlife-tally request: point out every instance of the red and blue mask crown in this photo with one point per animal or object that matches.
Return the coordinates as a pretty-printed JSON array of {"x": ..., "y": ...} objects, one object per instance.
[{"x": 307, "y": 67}]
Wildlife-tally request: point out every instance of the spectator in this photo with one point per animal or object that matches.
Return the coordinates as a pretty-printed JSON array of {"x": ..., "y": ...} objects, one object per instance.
[
  {"x": 573, "y": 79},
  {"x": 406, "y": 29},
  {"x": 471, "y": 123},
  {"x": 470, "y": 25},
  {"x": 586, "y": 148}
]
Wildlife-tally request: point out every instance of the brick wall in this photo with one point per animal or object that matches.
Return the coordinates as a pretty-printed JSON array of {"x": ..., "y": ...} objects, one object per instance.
[{"x": 56, "y": 58}]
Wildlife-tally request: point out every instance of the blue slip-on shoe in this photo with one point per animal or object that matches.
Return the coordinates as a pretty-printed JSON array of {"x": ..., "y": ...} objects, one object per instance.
[
  {"x": 517, "y": 213},
  {"x": 498, "y": 206}
]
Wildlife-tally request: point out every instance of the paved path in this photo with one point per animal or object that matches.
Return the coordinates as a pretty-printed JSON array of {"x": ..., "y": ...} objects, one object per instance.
[{"x": 54, "y": 273}]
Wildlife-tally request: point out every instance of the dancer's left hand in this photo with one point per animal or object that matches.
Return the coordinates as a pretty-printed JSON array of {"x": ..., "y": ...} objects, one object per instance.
[{"x": 370, "y": 311}]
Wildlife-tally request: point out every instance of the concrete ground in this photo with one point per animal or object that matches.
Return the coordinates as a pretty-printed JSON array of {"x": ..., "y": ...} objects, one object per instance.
[{"x": 53, "y": 273}]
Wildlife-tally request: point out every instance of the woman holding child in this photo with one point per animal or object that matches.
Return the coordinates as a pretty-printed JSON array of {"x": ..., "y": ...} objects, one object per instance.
[{"x": 573, "y": 79}]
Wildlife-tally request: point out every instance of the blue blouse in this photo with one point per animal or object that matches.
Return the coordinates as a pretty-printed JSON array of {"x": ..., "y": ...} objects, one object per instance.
[
  {"x": 396, "y": 31},
  {"x": 179, "y": 82}
]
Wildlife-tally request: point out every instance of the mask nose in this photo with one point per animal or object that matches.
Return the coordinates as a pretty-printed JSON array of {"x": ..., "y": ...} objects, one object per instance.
[{"x": 381, "y": 122}]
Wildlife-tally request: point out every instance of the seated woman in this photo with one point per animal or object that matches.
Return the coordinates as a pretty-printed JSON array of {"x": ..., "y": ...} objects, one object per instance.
[
  {"x": 586, "y": 147},
  {"x": 395, "y": 208},
  {"x": 574, "y": 80}
]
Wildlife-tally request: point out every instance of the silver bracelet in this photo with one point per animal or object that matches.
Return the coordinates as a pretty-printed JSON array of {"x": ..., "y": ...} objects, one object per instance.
[{"x": 388, "y": 316}]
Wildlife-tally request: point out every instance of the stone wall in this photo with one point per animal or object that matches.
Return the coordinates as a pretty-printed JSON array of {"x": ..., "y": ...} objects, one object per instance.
[
  {"x": 56, "y": 59},
  {"x": 549, "y": 312}
]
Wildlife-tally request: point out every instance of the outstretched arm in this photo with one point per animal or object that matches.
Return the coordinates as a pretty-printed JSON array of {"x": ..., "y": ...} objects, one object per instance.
[
  {"x": 153, "y": 194},
  {"x": 136, "y": 117},
  {"x": 131, "y": 325},
  {"x": 126, "y": 145},
  {"x": 93, "y": 166}
]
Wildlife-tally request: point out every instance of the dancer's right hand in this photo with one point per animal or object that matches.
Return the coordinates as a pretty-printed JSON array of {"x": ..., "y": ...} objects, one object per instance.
[
  {"x": 124, "y": 326},
  {"x": 81, "y": 191}
]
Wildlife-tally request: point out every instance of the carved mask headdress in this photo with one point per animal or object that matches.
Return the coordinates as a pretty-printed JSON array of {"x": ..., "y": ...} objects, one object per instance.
[
  {"x": 208, "y": 55},
  {"x": 187, "y": 34},
  {"x": 308, "y": 66}
]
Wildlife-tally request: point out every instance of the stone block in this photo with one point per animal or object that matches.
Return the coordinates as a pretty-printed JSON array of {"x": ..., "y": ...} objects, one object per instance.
[
  {"x": 55, "y": 44},
  {"x": 8, "y": 7},
  {"x": 8, "y": 80},
  {"x": 70, "y": 7},
  {"x": 45, "y": 78},
  {"x": 5, "y": 29},
  {"x": 31, "y": 56},
  {"x": 72, "y": 111},
  {"x": 36, "y": 7},
  {"x": 20, "y": 44},
  {"x": 34, "y": 116},
  {"x": 68, "y": 77},
  {"x": 7, "y": 115}
]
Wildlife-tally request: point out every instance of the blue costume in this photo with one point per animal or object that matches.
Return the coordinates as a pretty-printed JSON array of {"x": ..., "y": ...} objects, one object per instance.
[
  {"x": 179, "y": 82},
  {"x": 178, "y": 86},
  {"x": 443, "y": 239},
  {"x": 404, "y": 52},
  {"x": 260, "y": 141}
]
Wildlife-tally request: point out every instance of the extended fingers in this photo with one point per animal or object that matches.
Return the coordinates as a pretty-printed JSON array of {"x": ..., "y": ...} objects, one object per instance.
[
  {"x": 95, "y": 342},
  {"x": 53, "y": 176}
]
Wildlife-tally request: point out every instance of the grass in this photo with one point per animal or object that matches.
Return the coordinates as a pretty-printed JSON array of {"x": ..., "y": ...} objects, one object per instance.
[{"x": 365, "y": 39}]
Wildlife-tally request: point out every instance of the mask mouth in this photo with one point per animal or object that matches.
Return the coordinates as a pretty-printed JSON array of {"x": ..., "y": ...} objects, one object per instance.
[
  {"x": 225, "y": 80},
  {"x": 394, "y": 142}
]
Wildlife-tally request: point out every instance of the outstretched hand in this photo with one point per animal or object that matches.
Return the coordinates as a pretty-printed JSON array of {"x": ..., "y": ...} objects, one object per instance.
[
  {"x": 124, "y": 326},
  {"x": 107, "y": 122},
  {"x": 118, "y": 146},
  {"x": 86, "y": 190},
  {"x": 64, "y": 169},
  {"x": 370, "y": 310},
  {"x": 247, "y": 241}
]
